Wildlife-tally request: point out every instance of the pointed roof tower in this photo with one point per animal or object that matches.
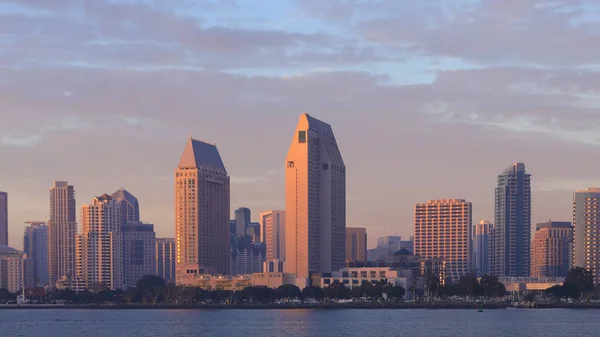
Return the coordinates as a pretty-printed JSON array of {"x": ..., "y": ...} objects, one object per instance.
[
  {"x": 203, "y": 156},
  {"x": 123, "y": 194}
]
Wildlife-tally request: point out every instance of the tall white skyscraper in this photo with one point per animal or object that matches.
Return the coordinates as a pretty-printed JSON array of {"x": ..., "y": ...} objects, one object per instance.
[
  {"x": 315, "y": 201},
  {"x": 102, "y": 245},
  {"x": 273, "y": 232},
  {"x": 586, "y": 231},
  {"x": 3, "y": 218},
  {"x": 62, "y": 229}
]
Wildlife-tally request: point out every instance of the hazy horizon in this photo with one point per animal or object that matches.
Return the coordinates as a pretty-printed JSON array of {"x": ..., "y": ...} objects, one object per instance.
[{"x": 427, "y": 100}]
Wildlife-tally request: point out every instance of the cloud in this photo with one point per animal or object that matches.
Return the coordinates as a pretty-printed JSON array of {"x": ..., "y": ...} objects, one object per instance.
[
  {"x": 20, "y": 141},
  {"x": 137, "y": 120}
]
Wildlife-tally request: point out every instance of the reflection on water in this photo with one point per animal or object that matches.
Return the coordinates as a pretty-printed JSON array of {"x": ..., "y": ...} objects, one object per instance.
[{"x": 292, "y": 323}]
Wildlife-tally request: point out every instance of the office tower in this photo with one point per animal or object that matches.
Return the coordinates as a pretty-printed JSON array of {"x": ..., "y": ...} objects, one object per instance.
[
  {"x": 11, "y": 269},
  {"x": 550, "y": 249},
  {"x": 273, "y": 225},
  {"x": 315, "y": 185},
  {"x": 443, "y": 230},
  {"x": 512, "y": 226},
  {"x": 356, "y": 244},
  {"x": 586, "y": 231},
  {"x": 387, "y": 246},
  {"x": 165, "y": 259},
  {"x": 253, "y": 230},
  {"x": 202, "y": 213},
  {"x": 246, "y": 256},
  {"x": 102, "y": 245},
  {"x": 242, "y": 220},
  {"x": 232, "y": 226},
  {"x": 35, "y": 246},
  {"x": 62, "y": 229},
  {"x": 139, "y": 252},
  {"x": 481, "y": 247},
  {"x": 129, "y": 208},
  {"x": 3, "y": 218},
  {"x": 409, "y": 244}
]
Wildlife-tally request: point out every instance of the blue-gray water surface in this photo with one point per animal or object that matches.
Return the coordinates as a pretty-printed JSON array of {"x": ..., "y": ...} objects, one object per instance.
[{"x": 291, "y": 323}]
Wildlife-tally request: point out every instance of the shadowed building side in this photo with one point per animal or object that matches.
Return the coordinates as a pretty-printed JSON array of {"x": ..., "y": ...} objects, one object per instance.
[
  {"x": 201, "y": 213},
  {"x": 3, "y": 218}
]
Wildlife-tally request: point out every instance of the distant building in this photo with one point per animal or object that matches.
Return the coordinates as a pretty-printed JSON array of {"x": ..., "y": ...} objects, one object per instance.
[
  {"x": 315, "y": 188},
  {"x": 253, "y": 230},
  {"x": 358, "y": 276},
  {"x": 356, "y": 244},
  {"x": 165, "y": 259},
  {"x": 3, "y": 218},
  {"x": 408, "y": 244},
  {"x": 243, "y": 216},
  {"x": 139, "y": 252},
  {"x": 273, "y": 225},
  {"x": 586, "y": 231},
  {"x": 481, "y": 247},
  {"x": 35, "y": 247},
  {"x": 246, "y": 256},
  {"x": 62, "y": 230},
  {"x": 201, "y": 213},
  {"x": 128, "y": 206},
  {"x": 530, "y": 284},
  {"x": 512, "y": 225},
  {"x": 443, "y": 230},
  {"x": 11, "y": 269},
  {"x": 550, "y": 249}
]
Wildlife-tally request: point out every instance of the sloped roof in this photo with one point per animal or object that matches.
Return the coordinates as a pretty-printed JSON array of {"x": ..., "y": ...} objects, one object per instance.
[
  {"x": 123, "y": 194},
  {"x": 4, "y": 249},
  {"x": 201, "y": 155}
]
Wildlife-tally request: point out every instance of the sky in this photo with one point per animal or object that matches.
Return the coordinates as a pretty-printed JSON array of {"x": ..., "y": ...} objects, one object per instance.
[{"x": 428, "y": 99}]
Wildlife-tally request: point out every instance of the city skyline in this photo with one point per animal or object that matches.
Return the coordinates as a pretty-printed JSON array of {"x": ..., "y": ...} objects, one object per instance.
[{"x": 493, "y": 96}]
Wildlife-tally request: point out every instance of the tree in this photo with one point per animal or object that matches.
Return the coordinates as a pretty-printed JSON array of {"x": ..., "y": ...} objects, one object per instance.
[
  {"x": 491, "y": 287},
  {"x": 150, "y": 281},
  {"x": 468, "y": 286},
  {"x": 313, "y": 292},
  {"x": 578, "y": 283},
  {"x": 432, "y": 285},
  {"x": 394, "y": 292},
  {"x": 288, "y": 291}
]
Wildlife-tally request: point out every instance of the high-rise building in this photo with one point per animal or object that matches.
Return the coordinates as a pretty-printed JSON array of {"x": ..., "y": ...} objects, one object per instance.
[
  {"x": 3, "y": 218},
  {"x": 139, "y": 252},
  {"x": 387, "y": 246},
  {"x": 165, "y": 259},
  {"x": 273, "y": 225},
  {"x": 512, "y": 226},
  {"x": 129, "y": 208},
  {"x": 356, "y": 244},
  {"x": 62, "y": 229},
  {"x": 253, "y": 230},
  {"x": 481, "y": 247},
  {"x": 11, "y": 269},
  {"x": 247, "y": 257},
  {"x": 102, "y": 245},
  {"x": 242, "y": 220},
  {"x": 550, "y": 249},
  {"x": 201, "y": 213},
  {"x": 586, "y": 231},
  {"x": 443, "y": 230},
  {"x": 35, "y": 246},
  {"x": 315, "y": 188}
]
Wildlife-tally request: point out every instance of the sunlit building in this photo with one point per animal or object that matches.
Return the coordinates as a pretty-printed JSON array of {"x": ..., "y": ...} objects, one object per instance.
[
  {"x": 62, "y": 229},
  {"x": 586, "y": 231},
  {"x": 481, "y": 246},
  {"x": 11, "y": 269},
  {"x": 165, "y": 259},
  {"x": 356, "y": 244},
  {"x": 273, "y": 225},
  {"x": 550, "y": 249}
]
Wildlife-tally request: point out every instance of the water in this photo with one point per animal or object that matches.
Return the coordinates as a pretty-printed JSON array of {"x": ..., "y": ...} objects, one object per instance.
[{"x": 291, "y": 323}]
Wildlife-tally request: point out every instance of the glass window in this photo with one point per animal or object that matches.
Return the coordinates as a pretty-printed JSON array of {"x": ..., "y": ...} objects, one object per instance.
[{"x": 301, "y": 136}]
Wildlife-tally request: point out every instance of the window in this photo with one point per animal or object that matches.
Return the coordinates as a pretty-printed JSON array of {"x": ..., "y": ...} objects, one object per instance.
[
  {"x": 290, "y": 164},
  {"x": 325, "y": 167},
  {"x": 301, "y": 136}
]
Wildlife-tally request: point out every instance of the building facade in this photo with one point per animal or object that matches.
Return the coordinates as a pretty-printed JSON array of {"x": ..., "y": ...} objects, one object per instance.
[
  {"x": 356, "y": 244},
  {"x": 62, "y": 230},
  {"x": 273, "y": 225},
  {"x": 102, "y": 244},
  {"x": 35, "y": 247},
  {"x": 11, "y": 269},
  {"x": 165, "y": 259},
  {"x": 201, "y": 213},
  {"x": 243, "y": 216},
  {"x": 139, "y": 252},
  {"x": 586, "y": 231},
  {"x": 550, "y": 249},
  {"x": 443, "y": 231},
  {"x": 128, "y": 206},
  {"x": 247, "y": 257},
  {"x": 4, "y": 218},
  {"x": 512, "y": 225},
  {"x": 481, "y": 247},
  {"x": 315, "y": 191}
]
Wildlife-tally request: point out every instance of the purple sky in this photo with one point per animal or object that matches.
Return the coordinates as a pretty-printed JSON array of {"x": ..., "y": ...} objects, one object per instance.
[{"x": 428, "y": 99}]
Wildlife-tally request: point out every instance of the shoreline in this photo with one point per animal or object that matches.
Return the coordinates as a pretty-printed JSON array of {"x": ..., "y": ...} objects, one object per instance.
[{"x": 329, "y": 306}]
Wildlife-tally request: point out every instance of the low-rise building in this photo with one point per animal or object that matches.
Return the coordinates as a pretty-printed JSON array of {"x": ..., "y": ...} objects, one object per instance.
[
  {"x": 222, "y": 282},
  {"x": 527, "y": 284},
  {"x": 356, "y": 277}
]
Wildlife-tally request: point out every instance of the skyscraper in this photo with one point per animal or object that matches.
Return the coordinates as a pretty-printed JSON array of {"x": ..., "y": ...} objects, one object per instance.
[
  {"x": 201, "y": 213},
  {"x": 586, "y": 231},
  {"x": 102, "y": 245},
  {"x": 165, "y": 259},
  {"x": 128, "y": 206},
  {"x": 512, "y": 227},
  {"x": 62, "y": 229},
  {"x": 481, "y": 246},
  {"x": 242, "y": 220},
  {"x": 139, "y": 252},
  {"x": 3, "y": 218},
  {"x": 550, "y": 249},
  {"x": 315, "y": 201},
  {"x": 443, "y": 230},
  {"x": 35, "y": 246},
  {"x": 356, "y": 244},
  {"x": 273, "y": 225}
]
